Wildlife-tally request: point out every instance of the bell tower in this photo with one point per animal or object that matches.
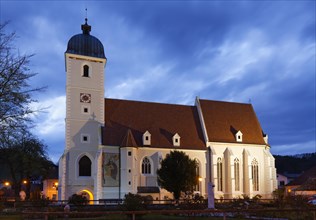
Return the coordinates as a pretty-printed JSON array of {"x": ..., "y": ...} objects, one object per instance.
[{"x": 85, "y": 62}]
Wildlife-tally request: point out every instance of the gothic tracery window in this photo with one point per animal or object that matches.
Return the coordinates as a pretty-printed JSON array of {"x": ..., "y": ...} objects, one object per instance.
[
  {"x": 219, "y": 174},
  {"x": 84, "y": 166},
  {"x": 146, "y": 166},
  {"x": 197, "y": 173},
  {"x": 237, "y": 174},
  {"x": 255, "y": 175}
]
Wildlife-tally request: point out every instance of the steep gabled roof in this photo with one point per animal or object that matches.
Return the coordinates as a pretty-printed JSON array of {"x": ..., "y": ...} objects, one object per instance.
[
  {"x": 161, "y": 120},
  {"x": 129, "y": 140},
  {"x": 224, "y": 119}
]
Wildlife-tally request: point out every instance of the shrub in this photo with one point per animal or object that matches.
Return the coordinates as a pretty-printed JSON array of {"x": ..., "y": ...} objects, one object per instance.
[
  {"x": 133, "y": 202},
  {"x": 77, "y": 199}
]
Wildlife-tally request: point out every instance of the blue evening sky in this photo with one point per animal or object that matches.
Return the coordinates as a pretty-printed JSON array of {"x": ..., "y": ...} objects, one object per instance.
[{"x": 261, "y": 52}]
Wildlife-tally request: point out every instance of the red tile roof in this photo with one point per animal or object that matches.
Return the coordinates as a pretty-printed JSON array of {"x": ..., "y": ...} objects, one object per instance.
[
  {"x": 224, "y": 119},
  {"x": 161, "y": 120},
  {"x": 127, "y": 121}
]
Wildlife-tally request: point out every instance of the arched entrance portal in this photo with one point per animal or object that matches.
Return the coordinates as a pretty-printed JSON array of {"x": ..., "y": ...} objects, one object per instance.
[{"x": 86, "y": 193}]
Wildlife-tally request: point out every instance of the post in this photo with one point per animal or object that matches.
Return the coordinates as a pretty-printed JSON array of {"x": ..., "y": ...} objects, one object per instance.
[{"x": 210, "y": 185}]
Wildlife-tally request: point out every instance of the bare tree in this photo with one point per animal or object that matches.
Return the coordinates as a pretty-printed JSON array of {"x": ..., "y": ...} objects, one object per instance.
[{"x": 15, "y": 90}]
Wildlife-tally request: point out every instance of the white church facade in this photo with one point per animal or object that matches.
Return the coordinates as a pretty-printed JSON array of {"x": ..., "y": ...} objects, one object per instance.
[{"x": 114, "y": 146}]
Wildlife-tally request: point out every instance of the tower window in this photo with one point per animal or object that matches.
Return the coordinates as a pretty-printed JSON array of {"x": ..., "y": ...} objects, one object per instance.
[
  {"x": 85, "y": 109},
  {"x": 84, "y": 166},
  {"x": 85, "y": 138},
  {"x": 85, "y": 71}
]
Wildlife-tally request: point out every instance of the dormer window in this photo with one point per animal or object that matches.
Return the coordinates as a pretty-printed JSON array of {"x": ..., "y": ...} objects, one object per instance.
[
  {"x": 147, "y": 138},
  {"x": 238, "y": 136},
  {"x": 176, "y": 140},
  {"x": 265, "y": 138},
  {"x": 85, "y": 71}
]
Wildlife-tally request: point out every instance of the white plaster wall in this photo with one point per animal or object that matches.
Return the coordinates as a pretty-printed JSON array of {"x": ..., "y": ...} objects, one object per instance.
[
  {"x": 130, "y": 180},
  {"x": 257, "y": 152}
]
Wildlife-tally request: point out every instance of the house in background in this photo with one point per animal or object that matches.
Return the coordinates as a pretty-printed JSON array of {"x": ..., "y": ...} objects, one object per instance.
[
  {"x": 305, "y": 184},
  {"x": 282, "y": 180},
  {"x": 50, "y": 185}
]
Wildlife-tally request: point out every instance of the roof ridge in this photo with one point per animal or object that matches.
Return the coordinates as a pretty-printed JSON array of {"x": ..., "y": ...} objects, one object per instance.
[
  {"x": 150, "y": 102},
  {"x": 228, "y": 102}
]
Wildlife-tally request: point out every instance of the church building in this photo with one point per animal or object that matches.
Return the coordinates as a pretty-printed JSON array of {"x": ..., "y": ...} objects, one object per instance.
[{"x": 113, "y": 147}]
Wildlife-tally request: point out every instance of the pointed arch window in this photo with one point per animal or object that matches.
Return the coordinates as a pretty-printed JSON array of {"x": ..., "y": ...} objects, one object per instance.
[
  {"x": 237, "y": 174},
  {"x": 85, "y": 71},
  {"x": 255, "y": 175},
  {"x": 84, "y": 166},
  {"x": 198, "y": 176},
  {"x": 146, "y": 166},
  {"x": 219, "y": 174}
]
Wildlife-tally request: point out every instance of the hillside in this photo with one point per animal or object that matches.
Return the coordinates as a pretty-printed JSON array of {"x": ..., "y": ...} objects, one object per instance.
[{"x": 295, "y": 163}]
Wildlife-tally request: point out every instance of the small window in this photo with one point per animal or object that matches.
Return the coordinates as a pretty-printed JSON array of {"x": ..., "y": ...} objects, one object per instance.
[
  {"x": 176, "y": 140},
  {"x": 85, "y": 110},
  {"x": 85, "y": 71},
  {"x": 238, "y": 136},
  {"x": 129, "y": 170},
  {"x": 85, "y": 138},
  {"x": 129, "y": 153},
  {"x": 129, "y": 182},
  {"x": 147, "y": 138}
]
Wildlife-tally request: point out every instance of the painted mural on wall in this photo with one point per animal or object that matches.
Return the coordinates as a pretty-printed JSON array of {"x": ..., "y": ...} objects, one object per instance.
[{"x": 110, "y": 166}]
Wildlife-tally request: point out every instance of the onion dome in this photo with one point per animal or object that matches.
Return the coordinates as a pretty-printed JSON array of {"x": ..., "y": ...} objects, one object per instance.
[{"x": 85, "y": 44}]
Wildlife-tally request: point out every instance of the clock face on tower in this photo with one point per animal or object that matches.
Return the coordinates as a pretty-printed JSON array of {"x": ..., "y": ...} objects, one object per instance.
[{"x": 85, "y": 97}]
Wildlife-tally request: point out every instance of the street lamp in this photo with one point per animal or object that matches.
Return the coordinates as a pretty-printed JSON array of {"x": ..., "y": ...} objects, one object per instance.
[
  {"x": 55, "y": 185},
  {"x": 7, "y": 183}
]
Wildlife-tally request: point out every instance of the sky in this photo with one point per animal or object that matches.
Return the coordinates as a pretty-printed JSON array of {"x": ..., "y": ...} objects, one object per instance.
[{"x": 258, "y": 52}]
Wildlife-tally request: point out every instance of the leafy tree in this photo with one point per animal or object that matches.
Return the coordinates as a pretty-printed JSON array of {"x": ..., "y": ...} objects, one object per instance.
[
  {"x": 25, "y": 158},
  {"x": 15, "y": 90},
  {"x": 177, "y": 173}
]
